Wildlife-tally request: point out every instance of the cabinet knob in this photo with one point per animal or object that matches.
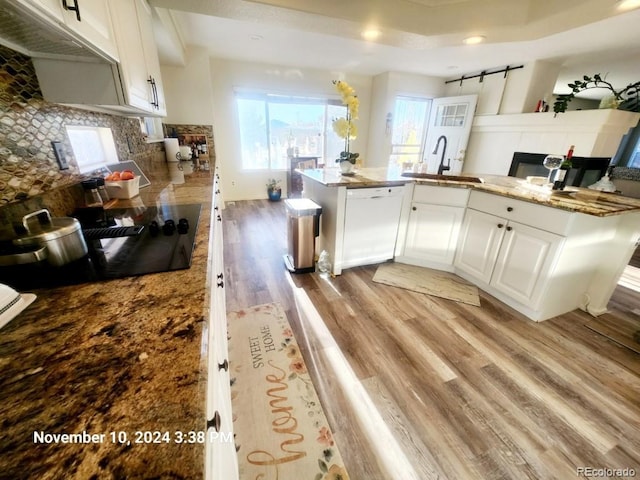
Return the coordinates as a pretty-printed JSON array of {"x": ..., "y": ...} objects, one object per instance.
[
  {"x": 509, "y": 229},
  {"x": 414, "y": 208},
  {"x": 509, "y": 209},
  {"x": 224, "y": 365},
  {"x": 500, "y": 225},
  {"x": 215, "y": 422}
]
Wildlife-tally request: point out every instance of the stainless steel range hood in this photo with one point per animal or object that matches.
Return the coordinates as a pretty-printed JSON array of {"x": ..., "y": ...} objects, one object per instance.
[{"x": 23, "y": 31}]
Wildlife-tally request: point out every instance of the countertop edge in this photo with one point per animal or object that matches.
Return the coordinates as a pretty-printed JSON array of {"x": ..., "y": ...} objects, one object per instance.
[{"x": 609, "y": 206}]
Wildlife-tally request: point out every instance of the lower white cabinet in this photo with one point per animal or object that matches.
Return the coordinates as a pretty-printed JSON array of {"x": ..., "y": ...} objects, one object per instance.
[
  {"x": 221, "y": 461},
  {"x": 433, "y": 225},
  {"x": 432, "y": 232},
  {"x": 512, "y": 257}
]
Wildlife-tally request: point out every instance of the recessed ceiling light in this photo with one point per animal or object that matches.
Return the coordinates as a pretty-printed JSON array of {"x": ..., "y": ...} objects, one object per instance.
[
  {"x": 371, "y": 33},
  {"x": 628, "y": 4},
  {"x": 474, "y": 40}
]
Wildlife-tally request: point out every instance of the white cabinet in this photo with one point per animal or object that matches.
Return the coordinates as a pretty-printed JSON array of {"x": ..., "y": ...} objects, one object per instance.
[
  {"x": 62, "y": 29},
  {"x": 132, "y": 86},
  {"x": 139, "y": 65},
  {"x": 512, "y": 257},
  {"x": 49, "y": 7},
  {"x": 87, "y": 19},
  {"x": 433, "y": 226},
  {"x": 524, "y": 261},
  {"x": 480, "y": 240},
  {"x": 432, "y": 233},
  {"x": 220, "y": 454}
]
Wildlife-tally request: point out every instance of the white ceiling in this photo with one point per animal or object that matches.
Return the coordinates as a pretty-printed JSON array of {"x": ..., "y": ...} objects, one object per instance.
[{"x": 417, "y": 36}]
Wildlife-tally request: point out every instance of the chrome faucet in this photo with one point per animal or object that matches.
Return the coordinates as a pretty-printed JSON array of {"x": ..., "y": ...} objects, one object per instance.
[{"x": 442, "y": 167}]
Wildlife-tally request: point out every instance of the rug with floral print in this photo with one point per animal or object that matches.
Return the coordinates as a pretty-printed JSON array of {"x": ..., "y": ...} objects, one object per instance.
[{"x": 280, "y": 428}]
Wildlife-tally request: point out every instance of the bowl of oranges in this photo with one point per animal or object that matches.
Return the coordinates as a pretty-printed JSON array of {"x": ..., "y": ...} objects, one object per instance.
[{"x": 122, "y": 184}]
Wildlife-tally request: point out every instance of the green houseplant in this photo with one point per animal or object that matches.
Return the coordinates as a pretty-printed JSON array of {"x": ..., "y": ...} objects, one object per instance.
[
  {"x": 624, "y": 99},
  {"x": 273, "y": 190}
]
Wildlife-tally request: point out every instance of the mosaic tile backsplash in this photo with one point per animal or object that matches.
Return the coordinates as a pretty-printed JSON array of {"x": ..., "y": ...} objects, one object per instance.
[{"x": 28, "y": 125}]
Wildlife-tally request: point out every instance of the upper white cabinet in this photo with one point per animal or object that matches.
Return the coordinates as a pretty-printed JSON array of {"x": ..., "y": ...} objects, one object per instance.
[
  {"x": 60, "y": 28},
  {"x": 433, "y": 227},
  {"x": 139, "y": 63},
  {"x": 90, "y": 19},
  {"x": 131, "y": 86}
]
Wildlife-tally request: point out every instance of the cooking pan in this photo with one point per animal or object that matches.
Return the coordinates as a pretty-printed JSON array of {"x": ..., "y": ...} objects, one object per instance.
[{"x": 60, "y": 236}]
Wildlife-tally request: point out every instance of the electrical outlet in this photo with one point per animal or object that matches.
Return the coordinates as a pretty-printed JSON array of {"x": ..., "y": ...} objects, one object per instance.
[{"x": 60, "y": 156}]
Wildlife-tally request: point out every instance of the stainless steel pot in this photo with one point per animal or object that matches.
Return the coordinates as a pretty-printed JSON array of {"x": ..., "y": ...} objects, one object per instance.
[{"x": 62, "y": 237}]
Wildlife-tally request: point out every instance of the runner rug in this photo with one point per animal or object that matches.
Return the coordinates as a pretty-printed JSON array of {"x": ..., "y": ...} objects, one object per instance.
[
  {"x": 428, "y": 281},
  {"x": 281, "y": 430}
]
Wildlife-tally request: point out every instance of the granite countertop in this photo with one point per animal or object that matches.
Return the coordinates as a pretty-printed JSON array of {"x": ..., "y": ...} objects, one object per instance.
[
  {"x": 572, "y": 199},
  {"x": 115, "y": 356}
]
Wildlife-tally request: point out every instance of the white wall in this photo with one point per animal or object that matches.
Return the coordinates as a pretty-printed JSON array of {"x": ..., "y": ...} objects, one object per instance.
[
  {"x": 188, "y": 91},
  {"x": 494, "y": 138},
  {"x": 228, "y": 75},
  {"x": 386, "y": 87},
  {"x": 518, "y": 92}
]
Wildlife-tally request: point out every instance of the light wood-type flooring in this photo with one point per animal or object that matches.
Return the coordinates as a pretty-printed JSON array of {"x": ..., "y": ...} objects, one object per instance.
[{"x": 468, "y": 392}]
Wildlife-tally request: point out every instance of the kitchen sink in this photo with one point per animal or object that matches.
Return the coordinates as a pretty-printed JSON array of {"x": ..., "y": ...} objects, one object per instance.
[{"x": 450, "y": 178}]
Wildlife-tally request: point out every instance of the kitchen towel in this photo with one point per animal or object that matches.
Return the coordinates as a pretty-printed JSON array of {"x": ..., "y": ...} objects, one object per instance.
[
  {"x": 280, "y": 428},
  {"x": 427, "y": 281}
]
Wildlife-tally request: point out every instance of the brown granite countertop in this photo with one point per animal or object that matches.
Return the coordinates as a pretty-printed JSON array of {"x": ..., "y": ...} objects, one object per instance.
[
  {"x": 573, "y": 199},
  {"x": 115, "y": 356}
]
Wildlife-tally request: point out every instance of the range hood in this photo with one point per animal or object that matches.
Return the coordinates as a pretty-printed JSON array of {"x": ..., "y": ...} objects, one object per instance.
[{"x": 25, "y": 32}]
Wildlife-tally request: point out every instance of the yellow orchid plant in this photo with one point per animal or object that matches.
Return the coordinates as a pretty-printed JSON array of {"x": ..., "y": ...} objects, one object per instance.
[{"x": 345, "y": 127}]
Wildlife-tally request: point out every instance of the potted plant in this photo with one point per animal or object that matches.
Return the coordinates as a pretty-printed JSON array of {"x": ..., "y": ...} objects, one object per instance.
[
  {"x": 624, "y": 99},
  {"x": 345, "y": 127},
  {"x": 273, "y": 190}
]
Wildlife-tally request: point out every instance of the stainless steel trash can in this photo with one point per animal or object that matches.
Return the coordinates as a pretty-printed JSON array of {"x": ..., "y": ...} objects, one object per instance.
[{"x": 303, "y": 226}]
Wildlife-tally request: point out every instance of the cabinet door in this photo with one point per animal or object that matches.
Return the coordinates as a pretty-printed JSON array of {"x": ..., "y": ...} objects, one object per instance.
[
  {"x": 92, "y": 21},
  {"x": 135, "y": 81},
  {"x": 525, "y": 258},
  {"x": 53, "y": 8},
  {"x": 433, "y": 231},
  {"x": 152, "y": 62},
  {"x": 480, "y": 239}
]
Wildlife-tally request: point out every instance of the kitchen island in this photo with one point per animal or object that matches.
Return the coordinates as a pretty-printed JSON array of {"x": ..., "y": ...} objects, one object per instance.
[
  {"x": 543, "y": 253},
  {"x": 110, "y": 359}
]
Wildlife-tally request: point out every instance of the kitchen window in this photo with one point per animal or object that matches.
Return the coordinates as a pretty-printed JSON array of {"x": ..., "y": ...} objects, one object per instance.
[
  {"x": 409, "y": 129},
  {"x": 274, "y": 128}
]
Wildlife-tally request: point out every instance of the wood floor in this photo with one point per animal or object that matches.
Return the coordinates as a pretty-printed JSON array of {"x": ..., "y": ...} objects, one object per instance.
[{"x": 469, "y": 392}]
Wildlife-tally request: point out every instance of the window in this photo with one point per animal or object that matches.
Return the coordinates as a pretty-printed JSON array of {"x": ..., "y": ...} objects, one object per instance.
[
  {"x": 93, "y": 147},
  {"x": 409, "y": 129},
  {"x": 276, "y": 127},
  {"x": 451, "y": 115}
]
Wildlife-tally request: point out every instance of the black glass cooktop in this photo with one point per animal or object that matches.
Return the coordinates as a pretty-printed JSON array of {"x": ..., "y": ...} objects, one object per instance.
[{"x": 164, "y": 243}]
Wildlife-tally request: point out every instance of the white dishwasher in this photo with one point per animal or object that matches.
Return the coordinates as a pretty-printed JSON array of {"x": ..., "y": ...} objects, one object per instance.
[{"x": 372, "y": 216}]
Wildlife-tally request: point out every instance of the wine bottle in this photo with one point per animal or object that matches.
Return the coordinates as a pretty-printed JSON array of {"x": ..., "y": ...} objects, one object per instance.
[{"x": 562, "y": 175}]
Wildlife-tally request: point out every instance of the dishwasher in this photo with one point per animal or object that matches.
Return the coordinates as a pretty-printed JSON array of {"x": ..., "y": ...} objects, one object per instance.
[{"x": 372, "y": 216}]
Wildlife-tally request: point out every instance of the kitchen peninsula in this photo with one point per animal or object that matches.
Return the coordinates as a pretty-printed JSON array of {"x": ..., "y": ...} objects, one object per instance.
[
  {"x": 540, "y": 252},
  {"x": 111, "y": 357}
]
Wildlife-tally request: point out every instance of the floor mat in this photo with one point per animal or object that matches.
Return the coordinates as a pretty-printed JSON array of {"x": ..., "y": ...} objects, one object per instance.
[
  {"x": 427, "y": 281},
  {"x": 280, "y": 428}
]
